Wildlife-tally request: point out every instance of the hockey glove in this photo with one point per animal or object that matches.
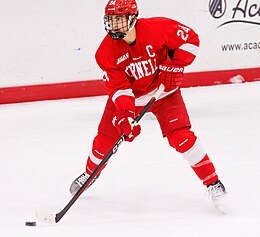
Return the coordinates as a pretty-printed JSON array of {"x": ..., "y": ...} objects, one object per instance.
[
  {"x": 123, "y": 122},
  {"x": 171, "y": 75}
]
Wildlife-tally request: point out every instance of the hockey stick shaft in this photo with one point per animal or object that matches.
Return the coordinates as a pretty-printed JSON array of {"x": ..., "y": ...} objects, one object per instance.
[{"x": 54, "y": 218}]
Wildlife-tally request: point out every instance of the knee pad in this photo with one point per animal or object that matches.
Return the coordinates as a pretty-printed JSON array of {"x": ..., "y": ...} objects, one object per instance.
[
  {"x": 182, "y": 139},
  {"x": 102, "y": 144}
]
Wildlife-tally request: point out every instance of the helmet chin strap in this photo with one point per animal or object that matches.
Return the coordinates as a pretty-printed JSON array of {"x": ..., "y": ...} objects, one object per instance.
[
  {"x": 120, "y": 35},
  {"x": 117, "y": 35}
]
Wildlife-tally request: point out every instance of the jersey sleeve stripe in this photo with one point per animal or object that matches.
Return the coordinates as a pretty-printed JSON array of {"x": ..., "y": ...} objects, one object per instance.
[
  {"x": 127, "y": 92},
  {"x": 191, "y": 48}
]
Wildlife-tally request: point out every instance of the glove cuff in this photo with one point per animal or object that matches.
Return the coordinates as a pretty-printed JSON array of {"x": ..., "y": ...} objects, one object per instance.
[
  {"x": 171, "y": 68},
  {"x": 122, "y": 114}
]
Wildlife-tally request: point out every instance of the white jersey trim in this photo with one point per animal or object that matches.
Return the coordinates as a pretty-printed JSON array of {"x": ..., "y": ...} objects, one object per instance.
[
  {"x": 127, "y": 92},
  {"x": 191, "y": 48}
]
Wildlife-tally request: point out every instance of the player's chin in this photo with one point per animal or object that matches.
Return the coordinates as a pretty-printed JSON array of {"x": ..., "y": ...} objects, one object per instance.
[{"x": 117, "y": 31}]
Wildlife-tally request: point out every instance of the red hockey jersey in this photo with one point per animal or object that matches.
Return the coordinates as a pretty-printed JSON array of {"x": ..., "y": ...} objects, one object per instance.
[{"x": 131, "y": 70}]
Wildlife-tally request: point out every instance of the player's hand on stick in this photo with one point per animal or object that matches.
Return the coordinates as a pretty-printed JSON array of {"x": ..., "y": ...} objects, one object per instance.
[
  {"x": 123, "y": 121},
  {"x": 171, "y": 74}
]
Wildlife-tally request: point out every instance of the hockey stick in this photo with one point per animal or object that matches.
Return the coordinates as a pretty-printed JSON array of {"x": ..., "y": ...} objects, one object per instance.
[{"x": 55, "y": 218}]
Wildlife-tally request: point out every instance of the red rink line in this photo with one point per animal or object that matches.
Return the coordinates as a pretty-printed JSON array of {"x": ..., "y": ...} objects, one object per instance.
[
  {"x": 96, "y": 87},
  {"x": 209, "y": 78},
  {"x": 51, "y": 91}
]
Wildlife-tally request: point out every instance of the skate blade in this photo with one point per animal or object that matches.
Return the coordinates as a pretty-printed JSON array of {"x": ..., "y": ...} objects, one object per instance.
[{"x": 218, "y": 205}]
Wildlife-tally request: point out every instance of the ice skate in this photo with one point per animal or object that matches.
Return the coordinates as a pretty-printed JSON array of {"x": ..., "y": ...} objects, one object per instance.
[
  {"x": 216, "y": 192},
  {"x": 79, "y": 182}
]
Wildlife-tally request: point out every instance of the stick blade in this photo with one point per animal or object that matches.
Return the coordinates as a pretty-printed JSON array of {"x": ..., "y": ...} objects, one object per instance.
[{"x": 46, "y": 218}]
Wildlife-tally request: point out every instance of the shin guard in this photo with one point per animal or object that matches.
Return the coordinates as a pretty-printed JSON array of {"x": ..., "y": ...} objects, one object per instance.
[
  {"x": 186, "y": 142},
  {"x": 101, "y": 145},
  {"x": 205, "y": 170}
]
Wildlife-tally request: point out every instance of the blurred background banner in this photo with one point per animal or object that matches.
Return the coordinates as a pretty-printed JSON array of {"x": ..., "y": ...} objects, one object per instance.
[{"x": 48, "y": 47}]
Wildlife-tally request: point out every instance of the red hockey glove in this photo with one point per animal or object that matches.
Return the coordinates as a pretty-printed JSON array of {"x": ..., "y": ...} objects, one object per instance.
[
  {"x": 123, "y": 122},
  {"x": 171, "y": 75}
]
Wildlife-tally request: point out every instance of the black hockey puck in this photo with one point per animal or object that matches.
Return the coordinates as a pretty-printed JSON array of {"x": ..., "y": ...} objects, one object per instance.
[{"x": 30, "y": 223}]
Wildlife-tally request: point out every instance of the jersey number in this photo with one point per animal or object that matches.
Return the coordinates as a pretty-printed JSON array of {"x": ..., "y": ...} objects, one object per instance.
[
  {"x": 112, "y": 3},
  {"x": 183, "y": 32}
]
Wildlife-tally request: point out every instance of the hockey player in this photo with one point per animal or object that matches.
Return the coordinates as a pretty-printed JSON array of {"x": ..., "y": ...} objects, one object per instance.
[{"x": 137, "y": 56}]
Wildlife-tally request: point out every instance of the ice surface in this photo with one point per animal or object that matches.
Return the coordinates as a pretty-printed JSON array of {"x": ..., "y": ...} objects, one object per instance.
[{"x": 147, "y": 189}]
